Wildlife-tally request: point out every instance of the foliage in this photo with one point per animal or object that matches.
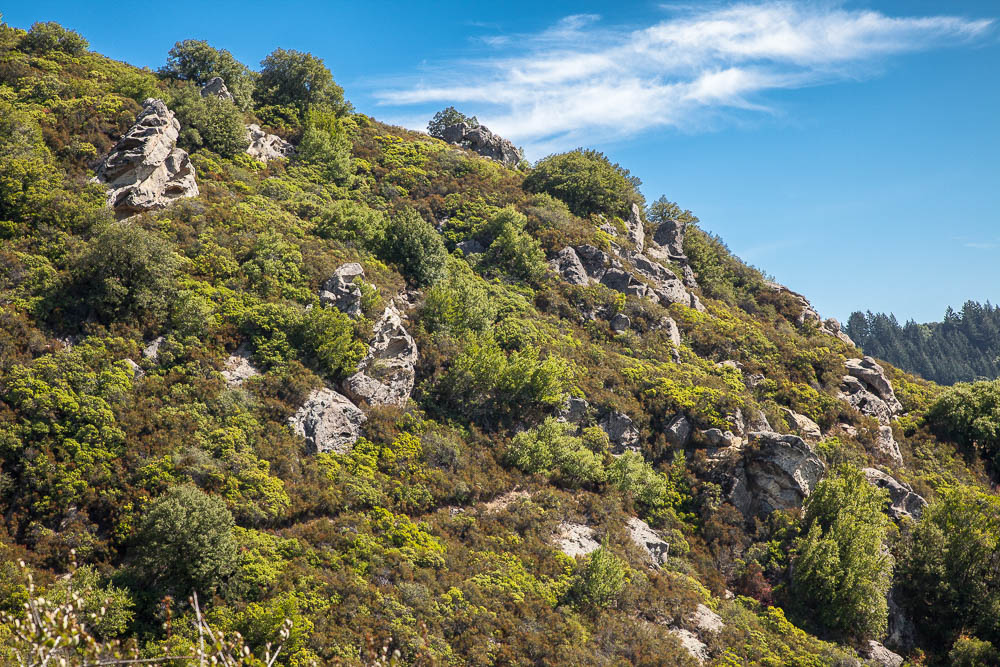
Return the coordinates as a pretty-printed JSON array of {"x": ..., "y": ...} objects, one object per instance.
[
  {"x": 294, "y": 78},
  {"x": 969, "y": 414},
  {"x": 842, "y": 573},
  {"x": 513, "y": 251},
  {"x": 587, "y": 181},
  {"x": 972, "y": 652},
  {"x": 50, "y": 36},
  {"x": 446, "y": 118},
  {"x": 601, "y": 578},
  {"x": 197, "y": 61},
  {"x": 459, "y": 303},
  {"x": 185, "y": 543},
  {"x": 413, "y": 244},
  {"x": 550, "y": 449},
  {"x": 325, "y": 143},
  {"x": 208, "y": 122}
]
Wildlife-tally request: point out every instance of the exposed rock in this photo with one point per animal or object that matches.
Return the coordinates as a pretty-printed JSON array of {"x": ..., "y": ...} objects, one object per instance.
[
  {"x": 731, "y": 364},
  {"x": 678, "y": 431},
  {"x": 504, "y": 501},
  {"x": 715, "y": 437},
  {"x": 704, "y": 620},
  {"x": 807, "y": 314},
  {"x": 239, "y": 368},
  {"x": 474, "y": 247},
  {"x": 137, "y": 372},
  {"x": 887, "y": 446},
  {"x": 576, "y": 411},
  {"x": 621, "y": 430},
  {"x": 624, "y": 282},
  {"x": 646, "y": 538},
  {"x": 752, "y": 381},
  {"x": 636, "y": 233},
  {"x": 594, "y": 260},
  {"x": 145, "y": 170},
  {"x": 328, "y": 421},
  {"x": 668, "y": 241},
  {"x": 902, "y": 633},
  {"x": 152, "y": 351},
  {"x": 832, "y": 327},
  {"x": 689, "y": 640},
  {"x": 807, "y": 428},
  {"x": 567, "y": 264},
  {"x": 757, "y": 422},
  {"x": 620, "y": 323},
  {"x": 341, "y": 290},
  {"x": 856, "y": 393},
  {"x": 880, "y": 655},
  {"x": 903, "y": 501},
  {"x": 216, "y": 87},
  {"x": 266, "y": 147},
  {"x": 576, "y": 539},
  {"x": 484, "y": 142},
  {"x": 870, "y": 373},
  {"x": 779, "y": 472},
  {"x": 386, "y": 375}
]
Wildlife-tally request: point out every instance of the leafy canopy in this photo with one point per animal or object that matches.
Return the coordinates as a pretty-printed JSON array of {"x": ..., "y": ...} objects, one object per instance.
[
  {"x": 197, "y": 61},
  {"x": 588, "y": 182},
  {"x": 446, "y": 118}
]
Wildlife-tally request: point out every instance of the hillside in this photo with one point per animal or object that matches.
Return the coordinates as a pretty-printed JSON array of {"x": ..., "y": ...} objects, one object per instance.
[
  {"x": 375, "y": 397},
  {"x": 963, "y": 347}
]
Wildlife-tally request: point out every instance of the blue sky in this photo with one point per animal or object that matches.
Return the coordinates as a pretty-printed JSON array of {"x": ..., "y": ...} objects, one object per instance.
[{"x": 850, "y": 149}]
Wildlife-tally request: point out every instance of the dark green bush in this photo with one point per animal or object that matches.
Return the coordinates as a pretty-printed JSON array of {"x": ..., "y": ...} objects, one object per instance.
[
  {"x": 415, "y": 246},
  {"x": 587, "y": 181},
  {"x": 196, "y": 61},
  {"x": 50, "y": 36}
]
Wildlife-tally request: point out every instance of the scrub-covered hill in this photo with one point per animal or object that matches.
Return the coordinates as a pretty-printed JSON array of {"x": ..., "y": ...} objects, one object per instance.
[{"x": 377, "y": 395}]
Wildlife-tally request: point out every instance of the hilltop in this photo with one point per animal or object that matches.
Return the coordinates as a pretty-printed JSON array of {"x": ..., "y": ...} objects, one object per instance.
[{"x": 371, "y": 392}]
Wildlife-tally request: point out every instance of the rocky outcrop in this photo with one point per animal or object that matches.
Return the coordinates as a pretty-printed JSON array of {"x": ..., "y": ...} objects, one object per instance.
[
  {"x": 621, "y": 430},
  {"x": 869, "y": 372},
  {"x": 903, "y": 501},
  {"x": 715, "y": 437},
  {"x": 216, "y": 87},
  {"x": 341, "y": 291},
  {"x": 620, "y": 323},
  {"x": 386, "y": 375},
  {"x": 808, "y": 314},
  {"x": 328, "y": 421},
  {"x": 145, "y": 170},
  {"x": 704, "y": 620},
  {"x": 777, "y": 472},
  {"x": 831, "y": 327},
  {"x": 238, "y": 368},
  {"x": 694, "y": 646},
  {"x": 576, "y": 411},
  {"x": 474, "y": 247},
  {"x": 152, "y": 351},
  {"x": 678, "y": 431},
  {"x": 880, "y": 655},
  {"x": 886, "y": 445},
  {"x": 854, "y": 392},
  {"x": 807, "y": 428},
  {"x": 636, "y": 232},
  {"x": 484, "y": 142},
  {"x": 646, "y": 538},
  {"x": 667, "y": 242},
  {"x": 265, "y": 147},
  {"x": 576, "y": 539}
]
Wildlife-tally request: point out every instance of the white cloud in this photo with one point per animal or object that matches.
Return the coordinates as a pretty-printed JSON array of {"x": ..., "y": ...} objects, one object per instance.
[{"x": 579, "y": 78}]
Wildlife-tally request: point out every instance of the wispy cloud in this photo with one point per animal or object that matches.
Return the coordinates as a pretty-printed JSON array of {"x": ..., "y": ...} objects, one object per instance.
[{"x": 581, "y": 78}]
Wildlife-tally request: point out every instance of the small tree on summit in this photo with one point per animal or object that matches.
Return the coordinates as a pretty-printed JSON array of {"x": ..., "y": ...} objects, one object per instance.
[
  {"x": 446, "y": 118},
  {"x": 297, "y": 79},
  {"x": 198, "y": 61}
]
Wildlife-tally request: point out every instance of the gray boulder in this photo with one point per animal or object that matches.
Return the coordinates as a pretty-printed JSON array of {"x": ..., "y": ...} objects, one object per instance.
[
  {"x": 715, "y": 437},
  {"x": 216, "y": 87},
  {"x": 576, "y": 539},
  {"x": 903, "y": 501},
  {"x": 869, "y": 372},
  {"x": 386, "y": 375},
  {"x": 484, "y": 142},
  {"x": 807, "y": 428},
  {"x": 624, "y": 282},
  {"x": 621, "y": 430},
  {"x": 678, "y": 431},
  {"x": 152, "y": 351},
  {"x": 567, "y": 264},
  {"x": 594, "y": 260},
  {"x": 857, "y": 394},
  {"x": 636, "y": 233},
  {"x": 238, "y": 368},
  {"x": 328, "y": 421},
  {"x": 620, "y": 323},
  {"x": 668, "y": 241},
  {"x": 647, "y": 539},
  {"x": 831, "y": 327},
  {"x": 576, "y": 411},
  {"x": 266, "y": 147},
  {"x": 778, "y": 472},
  {"x": 694, "y": 646},
  {"x": 145, "y": 170},
  {"x": 472, "y": 247},
  {"x": 341, "y": 291},
  {"x": 886, "y": 445},
  {"x": 880, "y": 655}
]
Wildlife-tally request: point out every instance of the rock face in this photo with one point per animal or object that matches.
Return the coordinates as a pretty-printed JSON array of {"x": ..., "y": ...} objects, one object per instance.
[
  {"x": 715, "y": 437},
  {"x": 567, "y": 264},
  {"x": 704, "y": 620},
  {"x": 576, "y": 411},
  {"x": 620, "y": 323},
  {"x": 328, "y": 421},
  {"x": 832, "y": 327},
  {"x": 880, "y": 655},
  {"x": 238, "y": 368},
  {"x": 386, "y": 375},
  {"x": 668, "y": 241},
  {"x": 647, "y": 539},
  {"x": 341, "y": 291},
  {"x": 622, "y": 432},
  {"x": 855, "y": 392},
  {"x": 216, "y": 87},
  {"x": 779, "y": 472},
  {"x": 689, "y": 640},
  {"x": 266, "y": 147},
  {"x": 484, "y": 142},
  {"x": 678, "y": 431},
  {"x": 636, "y": 233},
  {"x": 576, "y": 539},
  {"x": 807, "y": 428},
  {"x": 145, "y": 170},
  {"x": 903, "y": 501},
  {"x": 869, "y": 372}
]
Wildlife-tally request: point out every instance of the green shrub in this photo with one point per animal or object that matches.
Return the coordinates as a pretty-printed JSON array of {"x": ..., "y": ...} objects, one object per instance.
[
  {"x": 196, "y": 61},
  {"x": 325, "y": 143},
  {"x": 352, "y": 222},
  {"x": 293, "y": 78},
  {"x": 459, "y": 303},
  {"x": 972, "y": 652},
  {"x": 50, "y": 36},
  {"x": 587, "y": 181},
  {"x": 208, "y": 122},
  {"x": 513, "y": 251},
  {"x": 549, "y": 449},
  {"x": 446, "y": 118},
  {"x": 600, "y": 579},
  {"x": 185, "y": 543},
  {"x": 416, "y": 247},
  {"x": 969, "y": 414}
]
